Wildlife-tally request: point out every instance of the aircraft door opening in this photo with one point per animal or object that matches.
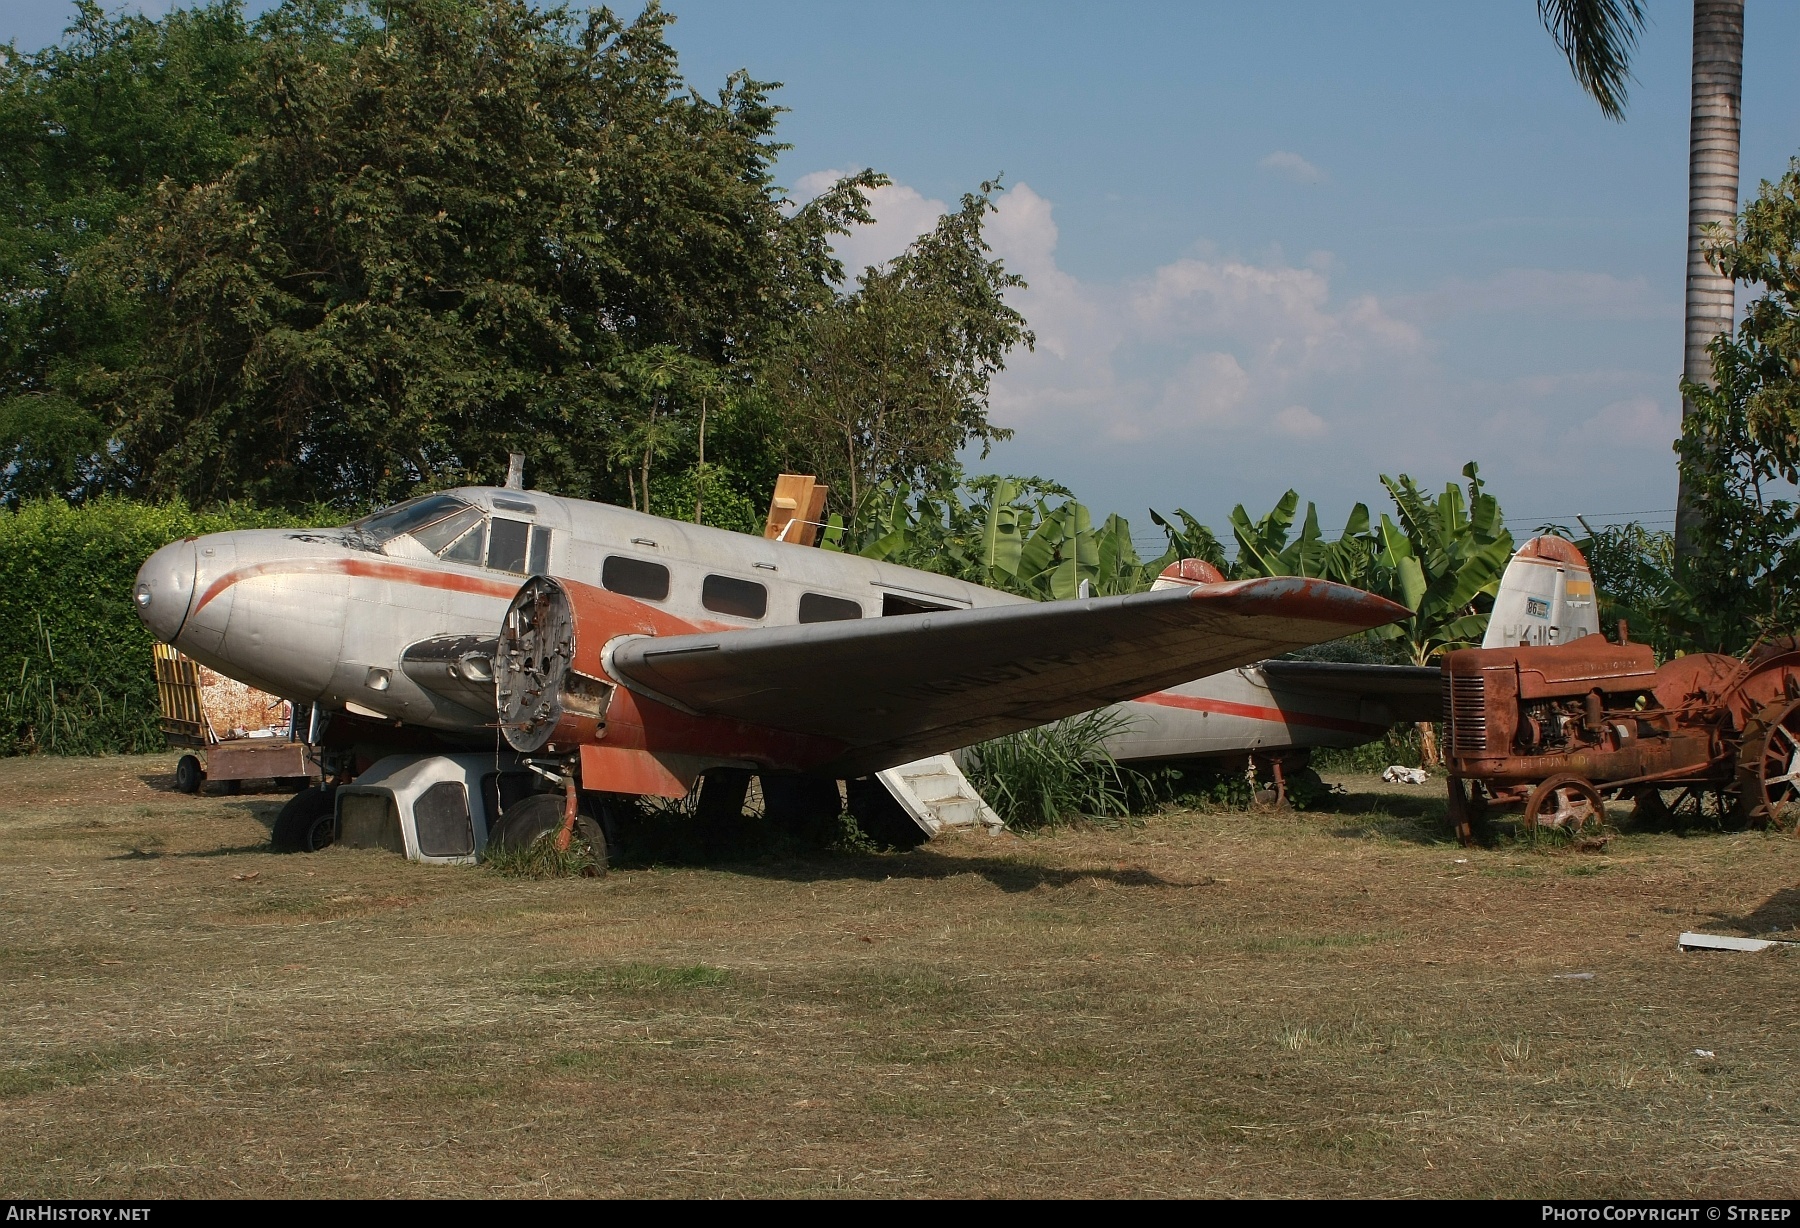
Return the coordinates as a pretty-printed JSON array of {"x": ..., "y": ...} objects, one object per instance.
[{"x": 893, "y": 603}]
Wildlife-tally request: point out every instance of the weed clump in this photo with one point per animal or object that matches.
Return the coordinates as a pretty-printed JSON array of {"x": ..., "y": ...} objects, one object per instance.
[
  {"x": 542, "y": 859},
  {"x": 1047, "y": 776}
]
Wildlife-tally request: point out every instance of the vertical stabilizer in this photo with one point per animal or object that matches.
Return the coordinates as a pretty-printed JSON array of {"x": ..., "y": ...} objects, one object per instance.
[{"x": 1545, "y": 597}]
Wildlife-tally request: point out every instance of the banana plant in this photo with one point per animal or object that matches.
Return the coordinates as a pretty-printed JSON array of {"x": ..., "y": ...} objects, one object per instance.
[
  {"x": 1188, "y": 540},
  {"x": 1006, "y": 536},
  {"x": 1443, "y": 561},
  {"x": 1264, "y": 548}
]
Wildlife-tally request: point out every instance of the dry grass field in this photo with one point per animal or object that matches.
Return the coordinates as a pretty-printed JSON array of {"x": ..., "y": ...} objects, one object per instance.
[{"x": 1220, "y": 1003}]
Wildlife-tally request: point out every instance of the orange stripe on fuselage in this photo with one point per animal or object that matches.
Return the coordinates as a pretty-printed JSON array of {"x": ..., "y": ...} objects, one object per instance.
[
  {"x": 399, "y": 573},
  {"x": 424, "y": 577},
  {"x": 1256, "y": 712}
]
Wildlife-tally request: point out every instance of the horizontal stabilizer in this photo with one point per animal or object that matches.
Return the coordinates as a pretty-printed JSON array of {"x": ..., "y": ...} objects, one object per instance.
[{"x": 1409, "y": 692}]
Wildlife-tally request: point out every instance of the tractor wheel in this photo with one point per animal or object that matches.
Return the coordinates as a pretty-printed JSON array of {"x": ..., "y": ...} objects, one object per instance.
[
  {"x": 189, "y": 776},
  {"x": 308, "y": 822},
  {"x": 1468, "y": 811},
  {"x": 1768, "y": 774},
  {"x": 1565, "y": 801}
]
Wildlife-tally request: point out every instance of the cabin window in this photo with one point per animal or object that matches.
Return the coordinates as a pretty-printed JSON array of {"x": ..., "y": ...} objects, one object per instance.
[
  {"x": 730, "y": 595},
  {"x": 635, "y": 577},
  {"x": 540, "y": 551},
  {"x": 508, "y": 541},
  {"x": 893, "y": 603},
  {"x": 818, "y": 608}
]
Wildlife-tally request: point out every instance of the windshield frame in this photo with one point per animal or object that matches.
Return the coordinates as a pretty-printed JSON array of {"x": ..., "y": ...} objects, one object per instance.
[{"x": 405, "y": 519}]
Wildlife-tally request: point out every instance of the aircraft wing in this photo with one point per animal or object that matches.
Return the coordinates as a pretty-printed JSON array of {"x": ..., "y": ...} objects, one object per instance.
[
  {"x": 894, "y": 689},
  {"x": 1409, "y": 692}
]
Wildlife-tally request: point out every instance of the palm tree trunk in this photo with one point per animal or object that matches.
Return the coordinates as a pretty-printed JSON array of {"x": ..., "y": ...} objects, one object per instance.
[{"x": 1712, "y": 199}]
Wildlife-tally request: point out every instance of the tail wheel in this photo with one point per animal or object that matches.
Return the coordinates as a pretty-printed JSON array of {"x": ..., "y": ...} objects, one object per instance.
[
  {"x": 1769, "y": 766},
  {"x": 1468, "y": 810},
  {"x": 1567, "y": 802}
]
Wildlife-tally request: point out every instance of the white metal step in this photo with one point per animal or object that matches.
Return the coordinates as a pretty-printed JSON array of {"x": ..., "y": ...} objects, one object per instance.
[{"x": 937, "y": 795}]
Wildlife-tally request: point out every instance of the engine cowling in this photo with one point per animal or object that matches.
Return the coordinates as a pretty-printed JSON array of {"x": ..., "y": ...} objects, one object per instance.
[{"x": 549, "y": 688}]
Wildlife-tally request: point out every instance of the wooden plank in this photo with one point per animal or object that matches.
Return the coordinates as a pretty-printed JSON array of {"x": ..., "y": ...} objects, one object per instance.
[
  {"x": 792, "y": 498},
  {"x": 815, "y": 519}
]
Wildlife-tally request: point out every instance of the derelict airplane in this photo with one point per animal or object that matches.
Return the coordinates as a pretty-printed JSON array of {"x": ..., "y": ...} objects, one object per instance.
[{"x": 643, "y": 653}]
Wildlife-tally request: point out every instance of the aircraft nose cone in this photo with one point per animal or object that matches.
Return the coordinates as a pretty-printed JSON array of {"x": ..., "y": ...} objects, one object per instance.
[{"x": 165, "y": 589}]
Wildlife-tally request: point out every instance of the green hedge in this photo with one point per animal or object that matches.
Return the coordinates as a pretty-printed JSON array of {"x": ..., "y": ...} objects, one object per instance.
[{"x": 74, "y": 659}]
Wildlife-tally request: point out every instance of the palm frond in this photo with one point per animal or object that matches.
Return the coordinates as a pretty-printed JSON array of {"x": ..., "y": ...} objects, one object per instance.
[{"x": 1598, "y": 37}]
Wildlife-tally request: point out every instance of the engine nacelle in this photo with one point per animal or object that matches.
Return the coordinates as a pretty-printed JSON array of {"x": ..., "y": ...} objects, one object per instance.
[{"x": 551, "y": 690}]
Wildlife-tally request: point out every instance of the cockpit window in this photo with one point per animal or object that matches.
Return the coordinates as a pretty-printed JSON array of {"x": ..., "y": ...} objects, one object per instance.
[
  {"x": 467, "y": 548},
  {"x": 409, "y": 517},
  {"x": 459, "y": 532},
  {"x": 434, "y": 537}
]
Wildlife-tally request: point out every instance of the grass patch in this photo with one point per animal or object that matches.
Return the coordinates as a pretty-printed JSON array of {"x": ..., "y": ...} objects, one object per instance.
[
  {"x": 1216, "y": 1003},
  {"x": 542, "y": 859},
  {"x": 1043, "y": 777},
  {"x": 633, "y": 978},
  {"x": 72, "y": 1068}
]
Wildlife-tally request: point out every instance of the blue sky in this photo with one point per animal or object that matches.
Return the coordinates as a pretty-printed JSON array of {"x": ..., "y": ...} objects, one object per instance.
[{"x": 1279, "y": 245}]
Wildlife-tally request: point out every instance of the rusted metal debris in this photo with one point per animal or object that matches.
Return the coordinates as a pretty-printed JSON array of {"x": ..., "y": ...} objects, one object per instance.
[
  {"x": 241, "y": 732},
  {"x": 1560, "y": 729}
]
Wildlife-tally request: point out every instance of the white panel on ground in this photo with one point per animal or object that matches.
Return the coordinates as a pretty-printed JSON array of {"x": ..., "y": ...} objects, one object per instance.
[
  {"x": 1724, "y": 942},
  {"x": 938, "y": 796}
]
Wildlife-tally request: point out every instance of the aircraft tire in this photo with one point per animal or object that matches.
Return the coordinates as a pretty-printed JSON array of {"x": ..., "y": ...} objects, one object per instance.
[
  {"x": 307, "y": 823},
  {"x": 540, "y": 817},
  {"x": 881, "y": 818},
  {"x": 802, "y": 807},
  {"x": 189, "y": 776}
]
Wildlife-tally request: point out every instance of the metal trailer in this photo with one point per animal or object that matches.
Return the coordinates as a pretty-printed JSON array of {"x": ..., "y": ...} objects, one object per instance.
[{"x": 236, "y": 732}]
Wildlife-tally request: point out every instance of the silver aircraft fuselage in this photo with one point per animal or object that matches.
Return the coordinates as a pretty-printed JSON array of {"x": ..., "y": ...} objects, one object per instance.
[{"x": 361, "y": 618}]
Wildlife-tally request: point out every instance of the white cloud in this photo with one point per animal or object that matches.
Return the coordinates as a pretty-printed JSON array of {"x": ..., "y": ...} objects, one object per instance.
[
  {"x": 902, "y": 214},
  {"x": 1196, "y": 346},
  {"x": 1299, "y": 422},
  {"x": 1292, "y": 166},
  {"x": 1638, "y": 422},
  {"x": 1211, "y": 380}
]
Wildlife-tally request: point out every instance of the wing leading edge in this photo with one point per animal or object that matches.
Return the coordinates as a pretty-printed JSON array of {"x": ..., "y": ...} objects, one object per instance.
[{"x": 893, "y": 689}]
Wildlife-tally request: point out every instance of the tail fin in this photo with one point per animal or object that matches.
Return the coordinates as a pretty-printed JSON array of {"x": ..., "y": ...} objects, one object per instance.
[{"x": 1545, "y": 597}]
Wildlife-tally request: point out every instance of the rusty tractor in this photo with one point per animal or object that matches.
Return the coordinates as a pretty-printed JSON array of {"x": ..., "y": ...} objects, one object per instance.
[{"x": 1560, "y": 729}]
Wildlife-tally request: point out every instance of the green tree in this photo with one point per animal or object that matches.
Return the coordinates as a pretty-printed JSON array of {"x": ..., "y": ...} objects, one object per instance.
[
  {"x": 88, "y": 130},
  {"x": 471, "y": 228},
  {"x": 890, "y": 381},
  {"x": 1740, "y": 447}
]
